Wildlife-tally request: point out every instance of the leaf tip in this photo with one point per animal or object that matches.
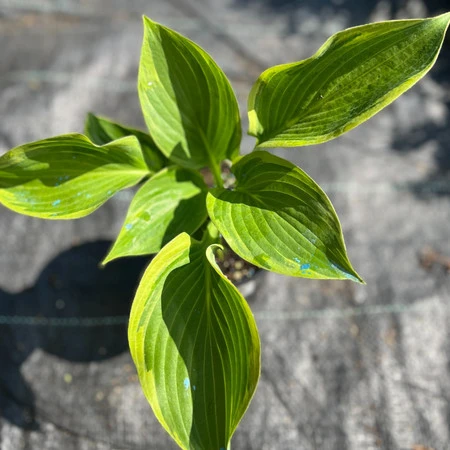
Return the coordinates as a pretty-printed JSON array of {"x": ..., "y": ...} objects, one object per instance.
[
  {"x": 348, "y": 273},
  {"x": 254, "y": 125},
  {"x": 358, "y": 279},
  {"x": 150, "y": 23},
  {"x": 445, "y": 17},
  {"x": 90, "y": 117},
  {"x": 103, "y": 263},
  {"x": 108, "y": 258}
]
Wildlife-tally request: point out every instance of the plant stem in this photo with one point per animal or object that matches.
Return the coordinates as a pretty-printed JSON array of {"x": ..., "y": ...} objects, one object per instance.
[{"x": 215, "y": 169}]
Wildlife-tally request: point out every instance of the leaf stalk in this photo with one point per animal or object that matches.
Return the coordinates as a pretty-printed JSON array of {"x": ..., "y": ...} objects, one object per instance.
[{"x": 215, "y": 169}]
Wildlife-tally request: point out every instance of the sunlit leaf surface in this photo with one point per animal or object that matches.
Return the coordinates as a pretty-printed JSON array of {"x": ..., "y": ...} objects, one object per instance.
[
  {"x": 67, "y": 177},
  {"x": 278, "y": 218},
  {"x": 169, "y": 203},
  {"x": 195, "y": 345},
  {"x": 354, "y": 74},
  {"x": 188, "y": 104}
]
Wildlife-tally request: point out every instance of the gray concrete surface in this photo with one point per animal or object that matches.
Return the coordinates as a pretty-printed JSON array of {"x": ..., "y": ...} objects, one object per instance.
[{"x": 344, "y": 366}]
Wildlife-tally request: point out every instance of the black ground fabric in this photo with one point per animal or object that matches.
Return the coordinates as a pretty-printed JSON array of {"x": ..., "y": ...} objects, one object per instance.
[{"x": 344, "y": 366}]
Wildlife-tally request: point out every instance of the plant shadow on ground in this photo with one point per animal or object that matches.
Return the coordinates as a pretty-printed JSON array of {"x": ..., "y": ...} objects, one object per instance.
[
  {"x": 357, "y": 12},
  {"x": 87, "y": 307},
  {"x": 436, "y": 183}
]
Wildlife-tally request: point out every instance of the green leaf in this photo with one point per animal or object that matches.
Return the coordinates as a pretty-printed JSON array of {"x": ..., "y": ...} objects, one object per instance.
[
  {"x": 102, "y": 131},
  {"x": 67, "y": 177},
  {"x": 171, "y": 202},
  {"x": 355, "y": 74},
  {"x": 279, "y": 219},
  {"x": 195, "y": 344},
  {"x": 188, "y": 104}
]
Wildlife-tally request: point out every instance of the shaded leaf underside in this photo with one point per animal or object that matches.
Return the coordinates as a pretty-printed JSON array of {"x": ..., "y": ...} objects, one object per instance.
[{"x": 102, "y": 131}]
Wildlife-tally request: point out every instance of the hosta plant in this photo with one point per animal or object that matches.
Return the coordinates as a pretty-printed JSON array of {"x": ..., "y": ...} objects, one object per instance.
[{"x": 192, "y": 336}]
